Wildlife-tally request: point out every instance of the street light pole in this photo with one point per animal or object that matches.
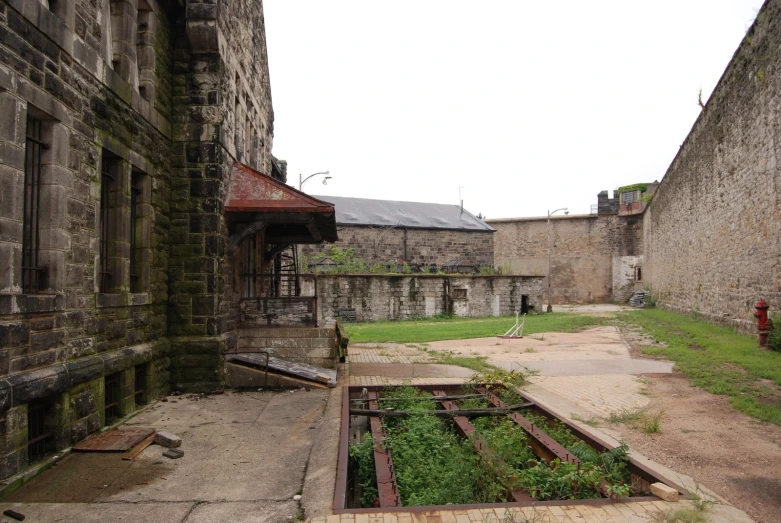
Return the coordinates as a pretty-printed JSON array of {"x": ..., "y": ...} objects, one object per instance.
[
  {"x": 566, "y": 211},
  {"x": 301, "y": 181}
]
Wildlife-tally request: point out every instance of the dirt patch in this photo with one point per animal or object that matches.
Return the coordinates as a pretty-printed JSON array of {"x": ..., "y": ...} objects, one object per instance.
[
  {"x": 703, "y": 437},
  {"x": 696, "y": 346}
]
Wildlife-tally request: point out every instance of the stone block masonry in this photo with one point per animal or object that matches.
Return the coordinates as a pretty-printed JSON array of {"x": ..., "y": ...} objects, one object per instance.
[
  {"x": 84, "y": 278},
  {"x": 420, "y": 246},
  {"x": 222, "y": 113},
  {"x": 394, "y": 297},
  {"x": 713, "y": 228},
  {"x": 593, "y": 257}
]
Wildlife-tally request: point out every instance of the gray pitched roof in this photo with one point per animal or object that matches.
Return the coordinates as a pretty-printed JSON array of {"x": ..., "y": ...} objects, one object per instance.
[{"x": 384, "y": 213}]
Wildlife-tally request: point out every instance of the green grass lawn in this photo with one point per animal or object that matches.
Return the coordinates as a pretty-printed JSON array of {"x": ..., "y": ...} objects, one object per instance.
[
  {"x": 437, "y": 329},
  {"x": 715, "y": 358}
]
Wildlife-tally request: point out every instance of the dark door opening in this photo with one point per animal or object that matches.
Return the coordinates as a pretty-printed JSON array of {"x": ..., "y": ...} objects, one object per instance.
[{"x": 524, "y": 303}]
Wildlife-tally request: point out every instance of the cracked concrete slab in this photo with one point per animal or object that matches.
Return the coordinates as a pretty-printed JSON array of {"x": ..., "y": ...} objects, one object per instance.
[{"x": 245, "y": 458}]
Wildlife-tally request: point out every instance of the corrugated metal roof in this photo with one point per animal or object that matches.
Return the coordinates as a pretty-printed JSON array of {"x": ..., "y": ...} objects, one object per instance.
[{"x": 384, "y": 213}]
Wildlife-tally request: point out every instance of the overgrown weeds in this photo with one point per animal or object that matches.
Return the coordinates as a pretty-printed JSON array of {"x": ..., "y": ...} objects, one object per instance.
[{"x": 648, "y": 422}]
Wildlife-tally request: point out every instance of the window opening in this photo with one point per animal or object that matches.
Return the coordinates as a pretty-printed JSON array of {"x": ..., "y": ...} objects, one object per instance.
[
  {"x": 107, "y": 180},
  {"x": 140, "y": 385},
  {"x": 250, "y": 272},
  {"x": 629, "y": 197},
  {"x": 638, "y": 273},
  {"x": 38, "y": 434},
  {"x": 31, "y": 272},
  {"x": 111, "y": 395},
  {"x": 136, "y": 192}
]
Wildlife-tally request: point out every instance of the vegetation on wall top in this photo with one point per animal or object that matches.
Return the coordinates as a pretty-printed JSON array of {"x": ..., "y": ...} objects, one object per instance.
[{"x": 642, "y": 187}]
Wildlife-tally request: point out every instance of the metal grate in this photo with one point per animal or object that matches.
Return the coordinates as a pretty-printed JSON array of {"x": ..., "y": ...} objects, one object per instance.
[
  {"x": 37, "y": 433},
  {"x": 106, "y": 183},
  {"x": 250, "y": 270},
  {"x": 140, "y": 385},
  {"x": 111, "y": 395},
  {"x": 31, "y": 272}
]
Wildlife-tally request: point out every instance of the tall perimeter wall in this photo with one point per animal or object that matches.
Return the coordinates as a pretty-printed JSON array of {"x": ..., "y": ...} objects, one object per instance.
[
  {"x": 593, "y": 257},
  {"x": 713, "y": 230}
]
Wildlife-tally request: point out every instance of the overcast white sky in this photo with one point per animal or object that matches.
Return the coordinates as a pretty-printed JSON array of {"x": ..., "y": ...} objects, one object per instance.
[{"x": 525, "y": 105}]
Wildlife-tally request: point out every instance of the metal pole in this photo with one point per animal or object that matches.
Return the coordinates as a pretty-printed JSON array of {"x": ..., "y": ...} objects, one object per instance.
[
  {"x": 550, "y": 307},
  {"x": 566, "y": 211}
]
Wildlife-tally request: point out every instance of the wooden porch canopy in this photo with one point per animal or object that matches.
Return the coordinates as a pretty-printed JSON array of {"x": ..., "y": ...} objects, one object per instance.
[{"x": 255, "y": 202}]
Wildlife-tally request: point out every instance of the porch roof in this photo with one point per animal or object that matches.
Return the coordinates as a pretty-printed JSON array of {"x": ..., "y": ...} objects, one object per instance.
[{"x": 289, "y": 215}]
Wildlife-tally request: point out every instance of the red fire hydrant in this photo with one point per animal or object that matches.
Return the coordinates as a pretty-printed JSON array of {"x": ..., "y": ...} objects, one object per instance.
[{"x": 764, "y": 324}]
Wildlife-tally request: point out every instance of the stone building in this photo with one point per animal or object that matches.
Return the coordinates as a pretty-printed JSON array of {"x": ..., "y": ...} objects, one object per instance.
[
  {"x": 134, "y": 218},
  {"x": 424, "y": 234}
]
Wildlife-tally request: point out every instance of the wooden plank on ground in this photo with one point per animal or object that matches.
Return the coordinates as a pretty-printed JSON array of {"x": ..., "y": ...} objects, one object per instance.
[
  {"x": 116, "y": 440},
  {"x": 138, "y": 449}
]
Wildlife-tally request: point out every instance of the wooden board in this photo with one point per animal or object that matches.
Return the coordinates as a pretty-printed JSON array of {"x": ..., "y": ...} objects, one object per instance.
[
  {"x": 290, "y": 368},
  {"x": 116, "y": 440},
  {"x": 139, "y": 448}
]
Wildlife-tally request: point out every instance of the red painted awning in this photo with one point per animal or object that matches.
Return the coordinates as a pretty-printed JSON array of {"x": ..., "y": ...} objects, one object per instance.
[{"x": 252, "y": 191}]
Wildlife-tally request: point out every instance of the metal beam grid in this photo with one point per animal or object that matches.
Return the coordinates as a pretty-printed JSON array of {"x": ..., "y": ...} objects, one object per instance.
[
  {"x": 543, "y": 445},
  {"x": 486, "y": 452},
  {"x": 388, "y": 490}
]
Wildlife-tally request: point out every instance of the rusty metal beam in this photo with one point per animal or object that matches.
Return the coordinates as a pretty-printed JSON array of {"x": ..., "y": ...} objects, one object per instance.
[
  {"x": 388, "y": 490},
  {"x": 543, "y": 445},
  {"x": 482, "y": 447}
]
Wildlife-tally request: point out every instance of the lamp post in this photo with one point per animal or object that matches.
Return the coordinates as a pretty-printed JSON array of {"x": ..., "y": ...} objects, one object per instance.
[
  {"x": 551, "y": 213},
  {"x": 301, "y": 181}
]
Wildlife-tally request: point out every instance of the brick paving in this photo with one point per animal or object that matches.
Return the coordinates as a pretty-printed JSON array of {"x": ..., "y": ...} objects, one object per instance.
[
  {"x": 600, "y": 394},
  {"x": 613, "y": 513},
  {"x": 388, "y": 353}
]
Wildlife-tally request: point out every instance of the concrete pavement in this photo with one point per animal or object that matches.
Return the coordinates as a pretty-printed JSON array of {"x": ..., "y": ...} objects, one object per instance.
[{"x": 245, "y": 459}]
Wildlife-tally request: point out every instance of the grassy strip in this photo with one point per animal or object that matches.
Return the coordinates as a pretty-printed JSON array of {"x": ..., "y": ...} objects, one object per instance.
[
  {"x": 456, "y": 328},
  {"x": 717, "y": 359}
]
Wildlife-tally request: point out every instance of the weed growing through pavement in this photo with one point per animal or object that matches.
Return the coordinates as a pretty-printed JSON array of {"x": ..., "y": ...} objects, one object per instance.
[
  {"x": 695, "y": 513},
  {"x": 650, "y": 423}
]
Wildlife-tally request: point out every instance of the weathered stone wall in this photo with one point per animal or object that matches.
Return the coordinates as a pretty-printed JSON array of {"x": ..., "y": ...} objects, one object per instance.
[
  {"x": 583, "y": 249},
  {"x": 713, "y": 229},
  {"x": 392, "y": 297},
  {"x": 57, "y": 344},
  {"x": 423, "y": 246},
  {"x": 222, "y": 108}
]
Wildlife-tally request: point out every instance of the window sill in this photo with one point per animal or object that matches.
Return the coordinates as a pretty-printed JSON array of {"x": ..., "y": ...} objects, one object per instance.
[
  {"x": 112, "y": 299},
  {"x": 29, "y": 303}
]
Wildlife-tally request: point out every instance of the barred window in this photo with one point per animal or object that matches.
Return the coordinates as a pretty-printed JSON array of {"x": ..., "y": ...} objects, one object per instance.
[
  {"x": 108, "y": 179},
  {"x": 32, "y": 274},
  {"x": 629, "y": 197},
  {"x": 137, "y": 243}
]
